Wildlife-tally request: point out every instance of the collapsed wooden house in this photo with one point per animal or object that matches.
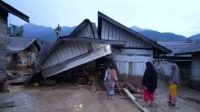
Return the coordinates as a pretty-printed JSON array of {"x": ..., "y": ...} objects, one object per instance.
[
  {"x": 112, "y": 43},
  {"x": 22, "y": 55},
  {"x": 4, "y": 10},
  {"x": 79, "y": 48}
]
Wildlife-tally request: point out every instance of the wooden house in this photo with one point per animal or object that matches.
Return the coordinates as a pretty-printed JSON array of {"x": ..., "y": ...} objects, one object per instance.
[
  {"x": 22, "y": 54},
  {"x": 138, "y": 49},
  {"x": 4, "y": 10},
  {"x": 183, "y": 61},
  {"x": 194, "y": 51}
]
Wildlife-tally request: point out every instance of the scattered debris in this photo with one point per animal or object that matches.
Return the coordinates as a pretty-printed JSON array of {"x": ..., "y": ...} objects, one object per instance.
[
  {"x": 133, "y": 89},
  {"x": 7, "y": 104},
  {"x": 143, "y": 109},
  {"x": 119, "y": 88},
  {"x": 47, "y": 82},
  {"x": 19, "y": 80}
]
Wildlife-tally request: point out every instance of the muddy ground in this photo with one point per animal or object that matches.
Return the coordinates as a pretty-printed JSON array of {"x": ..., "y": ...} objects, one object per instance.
[
  {"x": 73, "y": 98},
  {"x": 63, "y": 98},
  {"x": 188, "y": 100}
]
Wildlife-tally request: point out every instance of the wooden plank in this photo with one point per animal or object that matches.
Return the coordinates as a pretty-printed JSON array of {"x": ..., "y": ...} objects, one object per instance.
[
  {"x": 119, "y": 88},
  {"x": 103, "y": 31},
  {"x": 90, "y": 31},
  {"x": 3, "y": 61},
  {"x": 58, "y": 55},
  {"x": 106, "y": 30},
  {"x": 94, "y": 29},
  {"x": 64, "y": 53},
  {"x": 135, "y": 90},
  {"x": 68, "y": 50},
  {"x": 143, "y": 109},
  {"x": 81, "y": 48}
]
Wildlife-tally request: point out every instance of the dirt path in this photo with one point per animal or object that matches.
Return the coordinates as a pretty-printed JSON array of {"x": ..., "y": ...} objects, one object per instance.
[{"x": 63, "y": 99}]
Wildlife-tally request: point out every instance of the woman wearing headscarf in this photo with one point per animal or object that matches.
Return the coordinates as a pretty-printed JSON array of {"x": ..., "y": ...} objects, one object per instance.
[
  {"x": 149, "y": 83},
  {"x": 109, "y": 81},
  {"x": 174, "y": 81}
]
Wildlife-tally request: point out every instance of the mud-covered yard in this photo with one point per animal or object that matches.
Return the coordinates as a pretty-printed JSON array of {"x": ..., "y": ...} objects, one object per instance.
[
  {"x": 80, "y": 98},
  {"x": 63, "y": 98},
  {"x": 188, "y": 100}
]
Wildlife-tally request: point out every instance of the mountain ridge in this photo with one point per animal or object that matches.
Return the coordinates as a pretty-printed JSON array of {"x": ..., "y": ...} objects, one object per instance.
[{"x": 48, "y": 34}]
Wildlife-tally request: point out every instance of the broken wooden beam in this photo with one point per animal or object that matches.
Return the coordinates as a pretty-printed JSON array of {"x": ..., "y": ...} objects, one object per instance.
[
  {"x": 119, "y": 88},
  {"x": 135, "y": 90},
  {"x": 143, "y": 109}
]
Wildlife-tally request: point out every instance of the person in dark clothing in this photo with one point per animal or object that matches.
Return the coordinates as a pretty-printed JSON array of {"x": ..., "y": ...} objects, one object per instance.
[{"x": 149, "y": 82}]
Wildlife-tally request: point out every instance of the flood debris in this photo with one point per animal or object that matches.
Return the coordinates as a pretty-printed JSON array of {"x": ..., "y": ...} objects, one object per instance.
[
  {"x": 192, "y": 99},
  {"x": 19, "y": 80},
  {"x": 7, "y": 104},
  {"x": 143, "y": 109},
  {"x": 132, "y": 88}
]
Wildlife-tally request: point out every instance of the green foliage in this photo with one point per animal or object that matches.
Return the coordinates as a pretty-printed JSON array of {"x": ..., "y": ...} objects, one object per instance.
[
  {"x": 58, "y": 30},
  {"x": 15, "y": 31}
]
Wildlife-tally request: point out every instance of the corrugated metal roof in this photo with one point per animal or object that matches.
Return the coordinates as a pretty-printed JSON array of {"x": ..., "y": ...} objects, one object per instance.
[
  {"x": 191, "y": 49},
  {"x": 182, "y": 47},
  {"x": 102, "y": 16},
  {"x": 18, "y": 44}
]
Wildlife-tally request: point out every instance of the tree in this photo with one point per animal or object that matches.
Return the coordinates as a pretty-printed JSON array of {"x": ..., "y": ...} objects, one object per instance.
[
  {"x": 58, "y": 30},
  {"x": 15, "y": 31}
]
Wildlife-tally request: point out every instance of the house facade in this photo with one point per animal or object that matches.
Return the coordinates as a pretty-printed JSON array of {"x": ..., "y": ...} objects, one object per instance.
[
  {"x": 130, "y": 59},
  {"x": 22, "y": 55},
  {"x": 194, "y": 51}
]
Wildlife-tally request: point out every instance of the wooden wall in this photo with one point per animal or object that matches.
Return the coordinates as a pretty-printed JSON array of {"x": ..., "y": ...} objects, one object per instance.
[
  {"x": 132, "y": 61},
  {"x": 87, "y": 31},
  {"x": 195, "y": 68},
  {"x": 111, "y": 32},
  {"x": 3, "y": 33}
]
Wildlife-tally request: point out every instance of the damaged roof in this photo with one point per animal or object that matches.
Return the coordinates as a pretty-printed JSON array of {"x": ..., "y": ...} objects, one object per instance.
[
  {"x": 81, "y": 46},
  {"x": 13, "y": 11},
  {"x": 86, "y": 31},
  {"x": 102, "y": 16},
  {"x": 18, "y": 44}
]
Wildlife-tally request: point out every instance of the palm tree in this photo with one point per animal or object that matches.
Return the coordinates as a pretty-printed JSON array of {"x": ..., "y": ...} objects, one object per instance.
[{"x": 58, "y": 30}]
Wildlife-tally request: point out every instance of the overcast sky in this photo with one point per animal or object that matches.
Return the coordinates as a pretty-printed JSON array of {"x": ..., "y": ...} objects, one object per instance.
[{"x": 177, "y": 16}]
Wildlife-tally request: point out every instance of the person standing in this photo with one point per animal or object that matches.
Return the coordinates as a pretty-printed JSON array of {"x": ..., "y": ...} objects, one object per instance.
[
  {"x": 109, "y": 81},
  {"x": 174, "y": 81},
  {"x": 149, "y": 82}
]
